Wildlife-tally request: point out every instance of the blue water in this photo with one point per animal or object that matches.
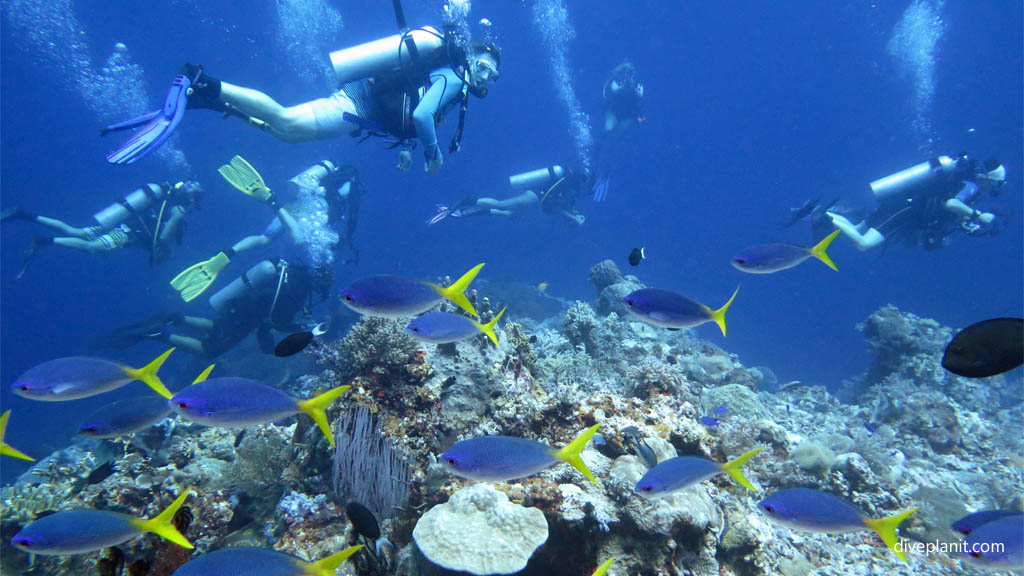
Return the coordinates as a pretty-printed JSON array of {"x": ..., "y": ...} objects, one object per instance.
[{"x": 750, "y": 108}]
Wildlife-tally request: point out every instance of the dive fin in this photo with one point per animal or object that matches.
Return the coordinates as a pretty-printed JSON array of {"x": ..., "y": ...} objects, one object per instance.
[
  {"x": 129, "y": 124},
  {"x": 194, "y": 280},
  {"x": 163, "y": 525},
  {"x": 316, "y": 407},
  {"x": 489, "y": 327},
  {"x": 159, "y": 127},
  {"x": 732, "y": 468},
  {"x": 886, "y": 529},
  {"x": 603, "y": 568},
  {"x": 818, "y": 251},
  {"x": 240, "y": 174},
  {"x": 571, "y": 453},
  {"x": 719, "y": 315},
  {"x": 148, "y": 374},
  {"x": 457, "y": 291}
]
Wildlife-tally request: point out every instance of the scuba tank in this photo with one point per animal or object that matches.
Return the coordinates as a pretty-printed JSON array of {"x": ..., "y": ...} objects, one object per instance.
[
  {"x": 130, "y": 206},
  {"x": 386, "y": 54},
  {"x": 260, "y": 275},
  {"x": 907, "y": 183},
  {"x": 310, "y": 177},
  {"x": 540, "y": 178}
]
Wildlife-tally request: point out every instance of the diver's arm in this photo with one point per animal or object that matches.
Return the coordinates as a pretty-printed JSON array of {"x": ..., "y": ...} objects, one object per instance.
[
  {"x": 170, "y": 227},
  {"x": 286, "y": 219},
  {"x": 958, "y": 204},
  {"x": 445, "y": 86},
  {"x": 251, "y": 242}
]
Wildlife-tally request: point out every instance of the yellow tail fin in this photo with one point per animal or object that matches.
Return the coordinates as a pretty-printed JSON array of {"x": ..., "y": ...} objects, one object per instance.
[
  {"x": 204, "y": 374},
  {"x": 603, "y": 568},
  {"x": 457, "y": 291},
  {"x": 719, "y": 315},
  {"x": 571, "y": 453},
  {"x": 886, "y": 528},
  {"x": 732, "y": 468},
  {"x": 163, "y": 525},
  {"x": 7, "y": 449},
  {"x": 819, "y": 250},
  {"x": 327, "y": 566},
  {"x": 148, "y": 374},
  {"x": 317, "y": 405},
  {"x": 489, "y": 327}
]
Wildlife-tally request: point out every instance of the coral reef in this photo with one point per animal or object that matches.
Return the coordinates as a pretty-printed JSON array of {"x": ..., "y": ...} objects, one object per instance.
[{"x": 904, "y": 433}]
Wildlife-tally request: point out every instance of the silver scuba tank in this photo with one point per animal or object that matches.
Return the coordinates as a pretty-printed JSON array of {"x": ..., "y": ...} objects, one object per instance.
[
  {"x": 538, "y": 178},
  {"x": 134, "y": 203},
  {"x": 907, "y": 183},
  {"x": 310, "y": 177},
  {"x": 383, "y": 55},
  {"x": 259, "y": 275}
]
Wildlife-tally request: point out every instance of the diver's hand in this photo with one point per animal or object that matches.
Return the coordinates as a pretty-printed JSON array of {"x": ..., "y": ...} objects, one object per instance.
[
  {"x": 404, "y": 161},
  {"x": 433, "y": 165},
  {"x": 986, "y": 217}
]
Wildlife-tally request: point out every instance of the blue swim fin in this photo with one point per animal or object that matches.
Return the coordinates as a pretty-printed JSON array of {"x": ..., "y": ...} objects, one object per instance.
[
  {"x": 601, "y": 188},
  {"x": 156, "y": 127}
]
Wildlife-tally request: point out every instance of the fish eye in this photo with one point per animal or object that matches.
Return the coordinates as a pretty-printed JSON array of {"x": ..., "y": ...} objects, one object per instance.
[
  {"x": 23, "y": 388},
  {"x": 741, "y": 260},
  {"x": 182, "y": 405},
  {"x": 415, "y": 329},
  {"x": 450, "y": 461},
  {"x": 647, "y": 488},
  {"x": 975, "y": 554},
  {"x": 88, "y": 428},
  {"x": 23, "y": 542},
  {"x": 630, "y": 302},
  {"x": 769, "y": 508}
]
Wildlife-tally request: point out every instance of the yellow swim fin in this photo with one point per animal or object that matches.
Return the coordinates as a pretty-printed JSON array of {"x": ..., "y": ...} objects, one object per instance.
[
  {"x": 245, "y": 178},
  {"x": 457, "y": 291},
  {"x": 718, "y": 316},
  {"x": 316, "y": 407},
  {"x": 819, "y": 250},
  {"x": 886, "y": 529},
  {"x": 571, "y": 453},
  {"x": 195, "y": 279},
  {"x": 163, "y": 525},
  {"x": 148, "y": 374},
  {"x": 489, "y": 327},
  {"x": 327, "y": 566},
  {"x": 6, "y": 449},
  {"x": 732, "y": 468}
]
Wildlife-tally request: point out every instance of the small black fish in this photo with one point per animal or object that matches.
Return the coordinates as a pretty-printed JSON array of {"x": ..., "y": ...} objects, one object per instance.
[
  {"x": 636, "y": 256},
  {"x": 987, "y": 348},
  {"x": 365, "y": 524},
  {"x": 295, "y": 343}
]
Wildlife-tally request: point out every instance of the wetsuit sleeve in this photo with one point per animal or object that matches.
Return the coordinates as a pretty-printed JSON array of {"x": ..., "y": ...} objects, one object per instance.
[
  {"x": 445, "y": 86},
  {"x": 273, "y": 229}
]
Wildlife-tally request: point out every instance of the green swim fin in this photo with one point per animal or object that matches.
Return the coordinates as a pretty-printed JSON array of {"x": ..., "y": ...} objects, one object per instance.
[
  {"x": 246, "y": 179},
  {"x": 195, "y": 279}
]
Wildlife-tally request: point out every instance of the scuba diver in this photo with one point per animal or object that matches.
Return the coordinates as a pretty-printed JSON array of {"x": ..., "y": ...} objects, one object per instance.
[
  {"x": 926, "y": 203},
  {"x": 150, "y": 217},
  {"x": 623, "y": 97},
  {"x": 399, "y": 87},
  {"x": 554, "y": 189},
  {"x": 269, "y": 295}
]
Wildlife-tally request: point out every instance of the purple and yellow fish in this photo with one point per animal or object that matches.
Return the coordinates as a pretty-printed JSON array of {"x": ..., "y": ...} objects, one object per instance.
[
  {"x": 80, "y": 377},
  {"x": 261, "y": 562},
  {"x": 445, "y": 327},
  {"x": 504, "y": 458},
  {"x": 771, "y": 258},
  {"x": 5, "y": 448},
  {"x": 673, "y": 311},
  {"x": 79, "y": 531},
  {"x": 399, "y": 296}
]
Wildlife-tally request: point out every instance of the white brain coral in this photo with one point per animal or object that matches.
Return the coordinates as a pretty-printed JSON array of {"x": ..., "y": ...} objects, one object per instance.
[{"x": 479, "y": 531}]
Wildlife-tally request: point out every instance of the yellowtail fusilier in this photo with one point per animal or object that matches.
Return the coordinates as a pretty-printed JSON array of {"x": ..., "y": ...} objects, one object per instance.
[
  {"x": 445, "y": 327},
  {"x": 81, "y": 376},
  {"x": 503, "y": 458},
  {"x": 770, "y": 258},
  {"x": 239, "y": 402},
  {"x": 79, "y": 531},
  {"x": 681, "y": 472},
  {"x": 261, "y": 562},
  {"x": 399, "y": 296},
  {"x": 997, "y": 545},
  {"x": 674, "y": 311},
  {"x": 125, "y": 417},
  {"x": 821, "y": 512}
]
